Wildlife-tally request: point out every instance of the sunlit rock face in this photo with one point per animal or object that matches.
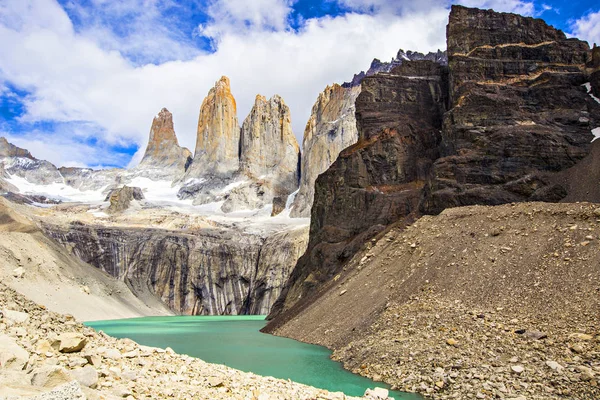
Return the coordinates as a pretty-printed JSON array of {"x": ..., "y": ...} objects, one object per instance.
[
  {"x": 268, "y": 148},
  {"x": 163, "y": 151},
  {"x": 330, "y": 129},
  {"x": 218, "y": 135}
]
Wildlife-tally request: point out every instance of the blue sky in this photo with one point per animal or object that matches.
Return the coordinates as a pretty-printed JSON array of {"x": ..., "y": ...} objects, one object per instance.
[{"x": 80, "y": 80}]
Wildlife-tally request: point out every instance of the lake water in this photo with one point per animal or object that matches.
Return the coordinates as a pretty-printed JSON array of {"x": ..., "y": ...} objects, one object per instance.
[{"x": 236, "y": 342}]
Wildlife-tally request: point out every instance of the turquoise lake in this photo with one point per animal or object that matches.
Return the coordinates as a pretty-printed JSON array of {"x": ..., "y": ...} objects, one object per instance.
[{"x": 236, "y": 342}]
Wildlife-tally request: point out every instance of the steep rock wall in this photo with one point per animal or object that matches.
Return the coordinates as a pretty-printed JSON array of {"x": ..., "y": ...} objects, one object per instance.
[
  {"x": 518, "y": 115},
  {"x": 379, "y": 179},
  {"x": 208, "y": 272}
]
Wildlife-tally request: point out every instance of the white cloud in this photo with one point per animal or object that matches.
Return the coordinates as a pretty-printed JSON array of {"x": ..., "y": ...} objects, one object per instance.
[
  {"x": 242, "y": 16},
  {"x": 74, "y": 76},
  {"x": 63, "y": 150},
  {"x": 588, "y": 28},
  {"x": 513, "y": 6},
  {"x": 523, "y": 7},
  {"x": 135, "y": 28}
]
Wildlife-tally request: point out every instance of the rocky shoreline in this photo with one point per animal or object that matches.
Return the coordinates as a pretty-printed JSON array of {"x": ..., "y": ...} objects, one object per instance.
[{"x": 45, "y": 355}]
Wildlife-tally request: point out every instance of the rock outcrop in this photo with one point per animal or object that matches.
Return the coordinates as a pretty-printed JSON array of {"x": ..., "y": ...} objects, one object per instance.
[
  {"x": 330, "y": 129},
  {"x": 163, "y": 152},
  {"x": 200, "y": 272},
  {"x": 332, "y": 125},
  {"x": 218, "y": 137},
  {"x": 379, "y": 179},
  {"x": 10, "y": 150},
  {"x": 378, "y": 66},
  {"x": 518, "y": 114},
  {"x": 518, "y": 111},
  {"x": 268, "y": 148},
  {"x": 121, "y": 198}
]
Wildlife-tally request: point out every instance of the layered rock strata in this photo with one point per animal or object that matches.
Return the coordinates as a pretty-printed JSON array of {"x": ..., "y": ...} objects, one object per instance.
[
  {"x": 201, "y": 272},
  {"x": 518, "y": 113},
  {"x": 332, "y": 125},
  {"x": 163, "y": 151}
]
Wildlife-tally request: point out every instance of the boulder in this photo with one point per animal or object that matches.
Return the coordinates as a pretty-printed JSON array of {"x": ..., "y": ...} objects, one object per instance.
[
  {"x": 71, "y": 342},
  {"x": 12, "y": 356},
  {"x": 15, "y": 317},
  {"x": 87, "y": 376},
  {"x": 50, "y": 376},
  {"x": 121, "y": 198}
]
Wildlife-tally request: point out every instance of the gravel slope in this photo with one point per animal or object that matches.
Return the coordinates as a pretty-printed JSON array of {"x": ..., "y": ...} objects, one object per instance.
[{"x": 450, "y": 305}]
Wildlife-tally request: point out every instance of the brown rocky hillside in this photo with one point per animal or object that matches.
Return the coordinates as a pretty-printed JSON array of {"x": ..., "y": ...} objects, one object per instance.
[{"x": 478, "y": 302}]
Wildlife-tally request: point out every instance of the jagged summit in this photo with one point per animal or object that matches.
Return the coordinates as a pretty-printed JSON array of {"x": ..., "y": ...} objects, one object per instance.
[
  {"x": 378, "y": 66},
  {"x": 163, "y": 150},
  {"x": 10, "y": 150},
  {"x": 218, "y": 135}
]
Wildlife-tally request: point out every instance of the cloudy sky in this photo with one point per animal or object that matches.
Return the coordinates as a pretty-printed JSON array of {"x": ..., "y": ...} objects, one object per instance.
[{"x": 80, "y": 80}]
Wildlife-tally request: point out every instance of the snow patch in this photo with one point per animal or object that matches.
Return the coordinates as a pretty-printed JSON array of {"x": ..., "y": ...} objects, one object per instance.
[
  {"x": 55, "y": 190},
  {"x": 161, "y": 191},
  {"x": 588, "y": 87},
  {"x": 194, "y": 181},
  {"x": 232, "y": 186}
]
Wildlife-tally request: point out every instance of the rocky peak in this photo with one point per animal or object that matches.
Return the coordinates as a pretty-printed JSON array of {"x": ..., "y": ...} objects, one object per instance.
[
  {"x": 218, "y": 136},
  {"x": 378, "y": 66},
  {"x": 163, "y": 150},
  {"x": 268, "y": 147},
  {"x": 10, "y": 150}
]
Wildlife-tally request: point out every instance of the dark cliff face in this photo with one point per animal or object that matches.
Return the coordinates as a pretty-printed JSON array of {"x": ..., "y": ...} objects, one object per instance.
[
  {"x": 517, "y": 114},
  {"x": 379, "y": 179},
  {"x": 518, "y": 111},
  {"x": 209, "y": 272}
]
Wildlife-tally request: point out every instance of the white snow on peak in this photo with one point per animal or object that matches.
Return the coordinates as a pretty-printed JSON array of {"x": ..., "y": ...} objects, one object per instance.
[{"x": 596, "y": 133}]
